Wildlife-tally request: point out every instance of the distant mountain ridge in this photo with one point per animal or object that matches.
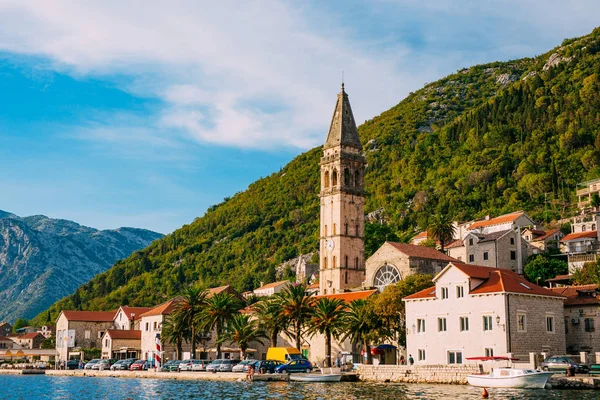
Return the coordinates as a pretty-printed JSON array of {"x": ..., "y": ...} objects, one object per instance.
[{"x": 44, "y": 259}]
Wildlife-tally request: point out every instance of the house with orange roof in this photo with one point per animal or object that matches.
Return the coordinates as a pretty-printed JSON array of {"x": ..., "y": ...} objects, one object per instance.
[
  {"x": 29, "y": 340},
  {"x": 515, "y": 220},
  {"x": 581, "y": 248},
  {"x": 481, "y": 311},
  {"x": 541, "y": 241},
  {"x": 122, "y": 344},
  {"x": 271, "y": 288},
  {"x": 393, "y": 261},
  {"x": 129, "y": 318},
  {"x": 581, "y": 318},
  {"x": 151, "y": 324},
  {"x": 80, "y": 329}
]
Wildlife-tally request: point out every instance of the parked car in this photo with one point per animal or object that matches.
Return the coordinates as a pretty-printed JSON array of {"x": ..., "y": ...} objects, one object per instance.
[
  {"x": 105, "y": 363},
  {"x": 243, "y": 366},
  {"x": 295, "y": 366},
  {"x": 122, "y": 364},
  {"x": 73, "y": 364},
  {"x": 185, "y": 365},
  {"x": 555, "y": 363},
  {"x": 139, "y": 365},
  {"x": 227, "y": 365},
  {"x": 214, "y": 366},
  {"x": 267, "y": 366},
  {"x": 200, "y": 365},
  {"x": 172, "y": 365},
  {"x": 90, "y": 364}
]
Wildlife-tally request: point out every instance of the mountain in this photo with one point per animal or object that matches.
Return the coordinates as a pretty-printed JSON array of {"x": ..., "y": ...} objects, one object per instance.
[
  {"x": 44, "y": 259},
  {"x": 491, "y": 138}
]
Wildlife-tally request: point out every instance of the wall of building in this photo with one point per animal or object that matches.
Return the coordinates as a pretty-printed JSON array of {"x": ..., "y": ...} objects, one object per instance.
[
  {"x": 577, "y": 338},
  {"x": 455, "y": 374},
  {"x": 82, "y": 340},
  {"x": 109, "y": 345}
]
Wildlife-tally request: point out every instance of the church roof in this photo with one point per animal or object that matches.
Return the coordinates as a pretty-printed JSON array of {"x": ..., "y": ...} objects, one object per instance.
[
  {"x": 417, "y": 251},
  {"x": 342, "y": 131}
]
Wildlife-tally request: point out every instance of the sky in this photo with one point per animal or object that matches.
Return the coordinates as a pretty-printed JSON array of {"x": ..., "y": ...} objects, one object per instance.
[{"x": 145, "y": 113}]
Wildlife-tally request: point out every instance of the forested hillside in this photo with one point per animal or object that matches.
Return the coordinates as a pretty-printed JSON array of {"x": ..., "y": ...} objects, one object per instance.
[{"x": 488, "y": 139}]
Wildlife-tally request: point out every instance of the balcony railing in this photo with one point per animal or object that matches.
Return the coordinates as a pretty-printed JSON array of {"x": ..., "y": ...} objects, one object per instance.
[
  {"x": 585, "y": 258},
  {"x": 583, "y": 191}
]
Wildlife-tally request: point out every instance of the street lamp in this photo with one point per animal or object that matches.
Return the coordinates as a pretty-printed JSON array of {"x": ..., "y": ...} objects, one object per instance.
[{"x": 498, "y": 322}]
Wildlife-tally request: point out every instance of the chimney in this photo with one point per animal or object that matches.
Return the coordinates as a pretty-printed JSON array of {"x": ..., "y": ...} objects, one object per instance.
[{"x": 262, "y": 284}]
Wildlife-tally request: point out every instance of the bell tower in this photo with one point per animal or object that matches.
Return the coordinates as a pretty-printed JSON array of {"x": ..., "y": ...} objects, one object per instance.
[{"x": 342, "y": 203}]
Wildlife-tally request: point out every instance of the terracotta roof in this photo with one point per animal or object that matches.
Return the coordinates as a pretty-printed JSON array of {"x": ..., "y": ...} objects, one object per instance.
[
  {"x": 546, "y": 235},
  {"x": 30, "y": 335},
  {"x": 348, "y": 297},
  {"x": 5, "y": 339},
  {"x": 224, "y": 289},
  {"x": 454, "y": 243},
  {"x": 423, "y": 294},
  {"x": 165, "y": 308},
  {"x": 559, "y": 278},
  {"x": 576, "y": 294},
  {"x": 502, "y": 219},
  {"x": 313, "y": 286},
  {"x": 495, "y": 281},
  {"x": 248, "y": 309},
  {"x": 137, "y": 311},
  {"x": 124, "y": 334},
  {"x": 272, "y": 285},
  {"x": 580, "y": 235},
  {"x": 90, "y": 316},
  {"x": 412, "y": 250},
  {"x": 422, "y": 235}
]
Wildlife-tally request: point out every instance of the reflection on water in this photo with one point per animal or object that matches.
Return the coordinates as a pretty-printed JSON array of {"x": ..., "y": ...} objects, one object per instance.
[{"x": 47, "y": 387}]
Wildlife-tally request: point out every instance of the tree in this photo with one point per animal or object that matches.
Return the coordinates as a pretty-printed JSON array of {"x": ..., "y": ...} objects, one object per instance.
[
  {"x": 540, "y": 268},
  {"x": 390, "y": 307},
  {"x": 442, "y": 229},
  {"x": 589, "y": 274},
  {"x": 243, "y": 331},
  {"x": 296, "y": 310},
  {"x": 328, "y": 319},
  {"x": 271, "y": 318},
  {"x": 188, "y": 312},
  {"x": 176, "y": 331},
  {"x": 361, "y": 325},
  {"x": 19, "y": 323},
  {"x": 595, "y": 200},
  {"x": 220, "y": 309}
]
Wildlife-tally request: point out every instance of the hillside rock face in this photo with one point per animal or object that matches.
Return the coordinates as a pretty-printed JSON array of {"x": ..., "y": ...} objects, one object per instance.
[{"x": 44, "y": 259}]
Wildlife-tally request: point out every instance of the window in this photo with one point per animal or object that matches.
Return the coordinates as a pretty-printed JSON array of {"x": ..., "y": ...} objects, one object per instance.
[
  {"x": 334, "y": 229},
  {"x": 512, "y": 240},
  {"x": 583, "y": 228},
  {"x": 334, "y": 178},
  {"x": 357, "y": 179},
  {"x": 346, "y": 262},
  {"x": 333, "y": 262},
  {"x": 470, "y": 242},
  {"x": 485, "y": 255},
  {"x": 521, "y": 323},
  {"x": 356, "y": 229},
  {"x": 593, "y": 227},
  {"x": 487, "y": 322},
  {"x": 346, "y": 229},
  {"x": 324, "y": 262},
  {"x": 106, "y": 343},
  {"x": 87, "y": 334},
  {"x": 421, "y": 356},
  {"x": 549, "y": 324},
  {"x": 455, "y": 357},
  {"x": 513, "y": 255},
  {"x": 100, "y": 333},
  {"x": 471, "y": 258},
  {"x": 325, "y": 230},
  {"x": 356, "y": 263},
  {"x": 441, "y": 324},
  {"x": 589, "y": 325},
  {"x": 464, "y": 324},
  {"x": 444, "y": 293},
  {"x": 489, "y": 352},
  {"x": 460, "y": 292},
  {"x": 420, "y": 325},
  {"x": 346, "y": 276},
  {"x": 155, "y": 326},
  {"x": 347, "y": 180},
  {"x": 147, "y": 326}
]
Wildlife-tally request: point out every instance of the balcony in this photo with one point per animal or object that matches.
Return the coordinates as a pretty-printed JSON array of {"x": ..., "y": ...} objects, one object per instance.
[
  {"x": 583, "y": 258},
  {"x": 583, "y": 192}
]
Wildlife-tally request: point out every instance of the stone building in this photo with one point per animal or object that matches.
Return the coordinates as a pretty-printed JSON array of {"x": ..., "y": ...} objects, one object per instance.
[
  {"x": 47, "y": 331},
  {"x": 80, "y": 329},
  {"x": 581, "y": 248},
  {"x": 582, "y": 315},
  {"x": 271, "y": 288},
  {"x": 122, "y": 344},
  {"x": 477, "y": 311},
  {"x": 29, "y": 340},
  {"x": 128, "y": 318},
  {"x": 542, "y": 241},
  {"x": 342, "y": 203},
  {"x": 394, "y": 261},
  {"x": 5, "y": 329}
]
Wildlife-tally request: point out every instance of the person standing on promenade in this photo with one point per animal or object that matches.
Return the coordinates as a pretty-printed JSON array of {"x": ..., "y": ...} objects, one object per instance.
[{"x": 410, "y": 359}]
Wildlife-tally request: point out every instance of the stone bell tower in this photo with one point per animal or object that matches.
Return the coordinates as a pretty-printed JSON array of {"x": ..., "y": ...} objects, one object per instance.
[{"x": 342, "y": 203}]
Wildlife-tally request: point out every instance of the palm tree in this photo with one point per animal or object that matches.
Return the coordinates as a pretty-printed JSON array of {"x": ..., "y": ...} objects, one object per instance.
[
  {"x": 220, "y": 309},
  {"x": 270, "y": 318},
  {"x": 360, "y": 325},
  {"x": 189, "y": 310},
  {"x": 442, "y": 229},
  {"x": 243, "y": 331},
  {"x": 175, "y": 331},
  {"x": 328, "y": 319},
  {"x": 295, "y": 308}
]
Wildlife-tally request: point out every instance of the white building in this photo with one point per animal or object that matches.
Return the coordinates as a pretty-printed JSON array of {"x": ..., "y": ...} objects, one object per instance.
[
  {"x": 481, "y": 311},
  {"x": 128, "y": 318},
  {"x": 271, "y": 288},
  {"x": 151, "y": 323}
]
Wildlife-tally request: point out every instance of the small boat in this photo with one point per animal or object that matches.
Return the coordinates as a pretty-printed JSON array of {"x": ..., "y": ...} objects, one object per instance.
[
  {"x": 509, "y": 377},
  {"x": 315, "y": 377}
]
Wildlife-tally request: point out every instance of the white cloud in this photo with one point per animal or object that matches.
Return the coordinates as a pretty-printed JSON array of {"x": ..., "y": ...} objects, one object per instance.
[{"x": 213, "y": 64}]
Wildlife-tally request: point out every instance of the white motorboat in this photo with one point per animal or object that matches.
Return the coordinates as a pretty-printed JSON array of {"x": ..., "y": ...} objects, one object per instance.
[
  {"x": 315, "y": 377},
  {"x": 511, "y": 378}
]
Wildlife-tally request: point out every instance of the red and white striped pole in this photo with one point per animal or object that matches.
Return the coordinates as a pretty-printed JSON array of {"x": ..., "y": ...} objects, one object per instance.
[{"x": 157, "y": 357}]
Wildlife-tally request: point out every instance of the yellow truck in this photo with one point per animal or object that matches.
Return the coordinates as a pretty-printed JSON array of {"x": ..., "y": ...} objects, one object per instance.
[{"x": 284, "y": 354}]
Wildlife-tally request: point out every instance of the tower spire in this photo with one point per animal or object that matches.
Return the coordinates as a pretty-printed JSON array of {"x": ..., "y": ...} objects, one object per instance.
[{"x": 342, "y": 131}]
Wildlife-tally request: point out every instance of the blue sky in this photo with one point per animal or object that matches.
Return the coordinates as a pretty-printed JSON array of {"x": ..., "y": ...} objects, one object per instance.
[{"x": 132, "y": 113}]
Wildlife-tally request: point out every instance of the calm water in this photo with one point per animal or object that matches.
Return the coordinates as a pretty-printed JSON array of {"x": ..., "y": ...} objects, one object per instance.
[{"x": 47, "y": 387}]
